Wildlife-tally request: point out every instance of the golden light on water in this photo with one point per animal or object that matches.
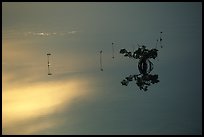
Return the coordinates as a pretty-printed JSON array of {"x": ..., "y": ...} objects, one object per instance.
[
  {"x": 30, "y": 94},
  {"x": 28, "y": 102}
]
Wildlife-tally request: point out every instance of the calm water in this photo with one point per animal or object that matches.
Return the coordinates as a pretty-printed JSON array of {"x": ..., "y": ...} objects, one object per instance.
[{"x": 79, "y": 98}]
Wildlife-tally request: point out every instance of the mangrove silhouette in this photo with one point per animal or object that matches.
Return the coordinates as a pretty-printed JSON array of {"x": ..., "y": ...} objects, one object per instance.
[{"x": 145, "y": 66}]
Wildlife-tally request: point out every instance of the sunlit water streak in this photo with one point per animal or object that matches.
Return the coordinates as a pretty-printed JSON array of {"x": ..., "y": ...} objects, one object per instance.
[{"x": 24, "y": 102}]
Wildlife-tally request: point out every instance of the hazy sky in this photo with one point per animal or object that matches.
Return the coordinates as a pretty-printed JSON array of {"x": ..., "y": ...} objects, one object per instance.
[{"x": 79, "y": 98}]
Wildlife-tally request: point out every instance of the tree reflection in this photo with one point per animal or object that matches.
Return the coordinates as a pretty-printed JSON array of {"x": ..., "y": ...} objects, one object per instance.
[{"x": 145, "y": 66}]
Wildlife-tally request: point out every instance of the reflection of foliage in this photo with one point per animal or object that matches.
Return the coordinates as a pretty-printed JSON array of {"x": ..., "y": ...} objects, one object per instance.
[
  {"x": 145, "y": 66},
  {"x": 142, "y": 81}
]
